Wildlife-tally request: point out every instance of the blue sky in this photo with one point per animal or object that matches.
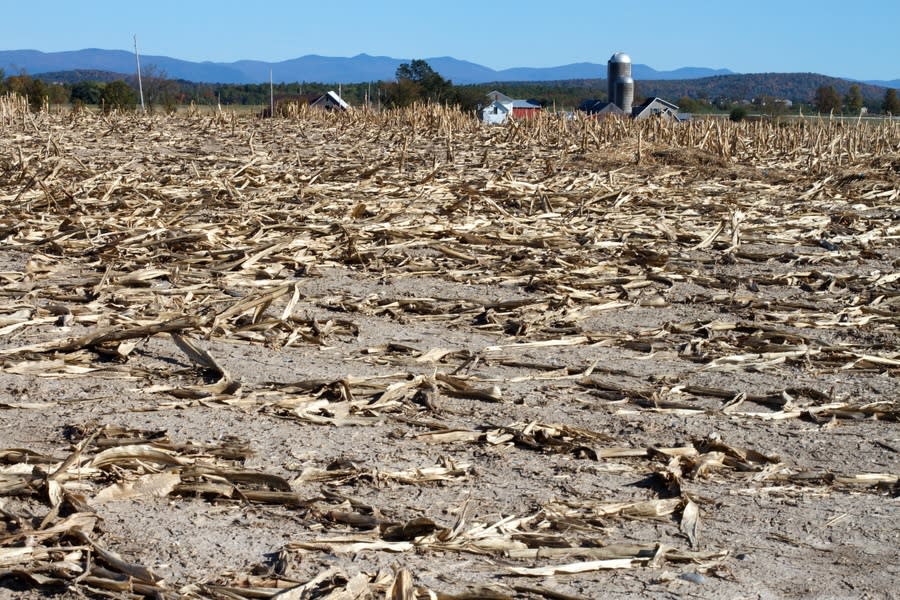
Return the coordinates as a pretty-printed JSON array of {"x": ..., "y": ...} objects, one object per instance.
[{"x": 857, "y": 39}]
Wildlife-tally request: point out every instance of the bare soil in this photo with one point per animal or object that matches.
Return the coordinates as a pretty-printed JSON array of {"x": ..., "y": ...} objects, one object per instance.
[{"x": 361, "y": 348}]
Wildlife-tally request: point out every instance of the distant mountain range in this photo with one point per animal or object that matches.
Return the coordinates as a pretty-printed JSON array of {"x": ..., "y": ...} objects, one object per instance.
[
  {"x": 894, "y": 83},
  {"x": 325, "y": 69}
]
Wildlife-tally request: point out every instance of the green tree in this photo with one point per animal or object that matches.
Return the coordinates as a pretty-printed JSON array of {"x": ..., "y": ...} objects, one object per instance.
[
  {"x": 117, "y": 95},
  {"x": 434, "y": 88},
  {"x": 853, "y": 100},
  {"x": 738, "y": 114},
  {"x": 86, "y": 92},
  {"x": 466, "y": 98},
  {"x": 891, "y": 103},
  {"x": 827, "y": 99}
]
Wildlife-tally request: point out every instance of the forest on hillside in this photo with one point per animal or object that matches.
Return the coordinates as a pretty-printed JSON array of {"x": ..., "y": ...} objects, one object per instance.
[{"x": 719, "y": 93}]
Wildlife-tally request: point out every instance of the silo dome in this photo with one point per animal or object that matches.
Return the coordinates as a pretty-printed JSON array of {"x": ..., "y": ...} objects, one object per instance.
[{"x": 620, "y": 57}]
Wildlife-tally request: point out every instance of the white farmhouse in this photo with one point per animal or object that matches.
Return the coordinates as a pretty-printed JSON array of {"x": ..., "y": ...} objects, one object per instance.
[
  {"x": 499, "y": 110},
  {"x": 496, "y": 112}
]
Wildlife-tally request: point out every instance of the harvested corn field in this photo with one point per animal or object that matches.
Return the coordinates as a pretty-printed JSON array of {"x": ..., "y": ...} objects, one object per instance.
[{"x": 403, "y": 355}]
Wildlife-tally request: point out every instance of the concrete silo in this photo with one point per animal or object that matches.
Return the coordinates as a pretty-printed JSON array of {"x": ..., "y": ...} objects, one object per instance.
[{"x": 620, "y": 85}]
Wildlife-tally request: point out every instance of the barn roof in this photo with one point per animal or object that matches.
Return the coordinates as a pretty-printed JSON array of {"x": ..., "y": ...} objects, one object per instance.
[
  {"x": 331, "y": 95},
  {"x": 658, "y": 101},
  {"x": 655, "y": 106},
  {"x": 596, "y": 107}
]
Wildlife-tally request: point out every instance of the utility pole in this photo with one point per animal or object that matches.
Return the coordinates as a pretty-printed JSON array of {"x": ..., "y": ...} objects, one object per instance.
[
  {"x": 271, "y": 96},
  {"x": 137, "y": 58}
]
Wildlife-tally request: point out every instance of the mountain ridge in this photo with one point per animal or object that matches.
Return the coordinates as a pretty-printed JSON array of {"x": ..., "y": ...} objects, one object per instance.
[
  {"x": 312, "y": 67},
  {"x": 342, "y": 70}
]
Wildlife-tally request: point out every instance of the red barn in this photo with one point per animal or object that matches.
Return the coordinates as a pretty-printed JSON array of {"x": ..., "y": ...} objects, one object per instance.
[{"x": 525, "y": 109}]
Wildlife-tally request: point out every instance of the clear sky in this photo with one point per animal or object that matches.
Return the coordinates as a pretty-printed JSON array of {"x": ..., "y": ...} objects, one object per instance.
[{"x": 848, "y": 38}]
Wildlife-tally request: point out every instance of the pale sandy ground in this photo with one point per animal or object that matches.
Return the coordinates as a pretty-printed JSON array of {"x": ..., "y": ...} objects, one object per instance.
[{"x": 797, "y": 527}]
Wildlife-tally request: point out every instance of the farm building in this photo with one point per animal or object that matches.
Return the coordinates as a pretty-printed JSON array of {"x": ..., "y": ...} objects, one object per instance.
[
  {"x": 496, "y": 112},
  {"x": 655, "y": 107},
  {"x": 525, "y": 109},
  {"x": 330, "y": 101},
  {"x": 620, "y": 91},
  {"x": 502, "y": 107},
  {"x": 600, "y": 109}
]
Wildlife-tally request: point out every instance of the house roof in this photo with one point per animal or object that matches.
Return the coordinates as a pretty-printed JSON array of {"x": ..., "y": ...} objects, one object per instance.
[
  {"x": 499, "y": 96},
  {"x": 504, "y": 106},
  {"x": 595, "y": 107},
  {"x": 646, "y": 108},
  {"x": 611, "y": 108},
  {"x": 525, "y": 104},
  {"x": 655, "y": 105},
  {"x": 332, "y": 95},
  {"x": 657, "y": 100}
]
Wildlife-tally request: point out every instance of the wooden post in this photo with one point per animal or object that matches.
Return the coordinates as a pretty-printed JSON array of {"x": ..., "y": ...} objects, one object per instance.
[
  {"x": 271, "y": 96},
  {"x": 137, "y": 58}
]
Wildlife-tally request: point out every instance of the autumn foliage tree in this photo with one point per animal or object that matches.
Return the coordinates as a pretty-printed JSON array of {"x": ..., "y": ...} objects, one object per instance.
[
  {"x": 827, "y": 99},
  {"x": 159, "y": 89}
]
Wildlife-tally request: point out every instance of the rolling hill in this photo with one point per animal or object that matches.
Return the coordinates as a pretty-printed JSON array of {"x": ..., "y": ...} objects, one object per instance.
[{"x": 797, "y": 87}]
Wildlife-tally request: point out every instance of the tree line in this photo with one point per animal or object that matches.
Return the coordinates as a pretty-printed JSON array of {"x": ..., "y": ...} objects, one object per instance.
[
  {"x": 828, "y": 100},
  {"x": 416, "y": 81}
]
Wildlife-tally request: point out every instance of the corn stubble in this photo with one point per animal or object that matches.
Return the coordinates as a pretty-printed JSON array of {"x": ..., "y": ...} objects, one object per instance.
[{"x": 202, "y": 228}]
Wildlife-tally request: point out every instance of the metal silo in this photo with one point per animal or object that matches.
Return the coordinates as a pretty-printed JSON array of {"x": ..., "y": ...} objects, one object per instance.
[
  {"x": 619, "y": 67},
  {"x": 625, "y": 93}
]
